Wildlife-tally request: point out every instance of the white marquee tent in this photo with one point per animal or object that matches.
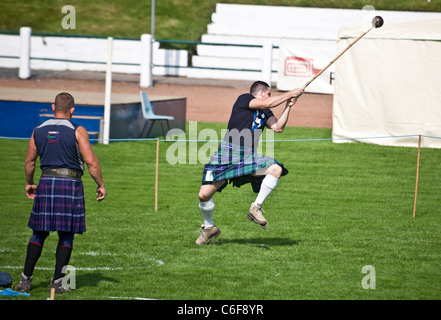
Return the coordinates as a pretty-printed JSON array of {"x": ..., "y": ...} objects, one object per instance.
[{"x": 389, "y": 85}]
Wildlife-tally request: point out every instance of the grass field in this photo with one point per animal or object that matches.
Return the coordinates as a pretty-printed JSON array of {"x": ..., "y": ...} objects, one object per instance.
[{"x": 342, "y": 207}]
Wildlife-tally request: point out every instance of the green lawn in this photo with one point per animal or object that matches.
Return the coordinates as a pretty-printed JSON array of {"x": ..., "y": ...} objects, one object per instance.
[{"x": 342, "y": 207}]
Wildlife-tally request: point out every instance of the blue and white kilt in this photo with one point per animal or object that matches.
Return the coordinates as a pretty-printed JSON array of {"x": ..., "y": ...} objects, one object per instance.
[
  {"x": 237, "y": 165},
  {"x": 58, "y": 206}
]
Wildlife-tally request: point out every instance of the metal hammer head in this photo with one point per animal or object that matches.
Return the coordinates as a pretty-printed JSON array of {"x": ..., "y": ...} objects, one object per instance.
[{"x": 377, "y": 22}]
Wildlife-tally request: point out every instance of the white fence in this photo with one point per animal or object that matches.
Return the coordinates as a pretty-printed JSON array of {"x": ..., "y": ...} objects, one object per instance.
[{"x": 56, "y": 52}]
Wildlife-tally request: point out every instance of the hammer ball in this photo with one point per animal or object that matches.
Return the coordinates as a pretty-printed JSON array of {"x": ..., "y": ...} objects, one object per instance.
[{"x": 377, "y": 21}]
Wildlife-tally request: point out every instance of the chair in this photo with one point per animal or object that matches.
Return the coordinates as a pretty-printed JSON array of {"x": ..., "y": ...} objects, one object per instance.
[{"x": 151, "y": 117}]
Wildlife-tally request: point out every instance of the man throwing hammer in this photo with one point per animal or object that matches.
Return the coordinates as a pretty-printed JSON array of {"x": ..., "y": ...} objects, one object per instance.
[
  {"x": 63, "y": 147},
  {"x": 236, "y": 160}
]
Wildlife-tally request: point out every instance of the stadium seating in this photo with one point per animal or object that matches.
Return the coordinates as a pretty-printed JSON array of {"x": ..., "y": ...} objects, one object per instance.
[{"x": 254, "y": 25}]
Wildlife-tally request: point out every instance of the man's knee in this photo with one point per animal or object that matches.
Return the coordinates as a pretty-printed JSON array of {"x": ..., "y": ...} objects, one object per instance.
[
  {"x": 275, "y": 170},
  {"x": 205, "y": 193},
  {"x": 38, "y": 237},
  {"x": 203, "y": 196}
]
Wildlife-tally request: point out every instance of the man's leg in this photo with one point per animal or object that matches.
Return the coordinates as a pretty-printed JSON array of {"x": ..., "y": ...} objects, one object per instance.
[
  {"x": 33, "y": 253},
  {"x": 62, "y": 257},
  {"x": 63, "y": 252},
  {"x": 206, "y": 205},
  {"x": 272, "y": 175}
]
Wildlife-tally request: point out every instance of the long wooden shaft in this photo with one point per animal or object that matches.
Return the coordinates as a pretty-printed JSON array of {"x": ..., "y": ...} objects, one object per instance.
[
  {"x": 338, "y": 56},
  {"x": 417, "y": 175}
]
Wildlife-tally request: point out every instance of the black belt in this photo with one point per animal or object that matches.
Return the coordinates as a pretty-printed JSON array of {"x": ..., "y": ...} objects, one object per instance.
[{"x": 62, "y": 173}]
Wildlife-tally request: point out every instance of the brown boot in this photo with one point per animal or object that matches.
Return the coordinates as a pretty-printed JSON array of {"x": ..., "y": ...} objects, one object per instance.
[
  {"x": 58, "y": 285},
  {"x": 25, "y": 284},
  {"x": 207, "y": 234},
  {"x": 255, "y": 214}
]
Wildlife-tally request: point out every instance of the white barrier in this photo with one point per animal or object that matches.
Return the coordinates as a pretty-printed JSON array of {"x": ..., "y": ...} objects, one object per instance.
[
  {"x": 24, "y": 71},
  {"x": 146, "y": 79},
  {"x": 90, "y": 54},
  {"x": 108, "y": 92},
  {"x": 267, "y": 60}
]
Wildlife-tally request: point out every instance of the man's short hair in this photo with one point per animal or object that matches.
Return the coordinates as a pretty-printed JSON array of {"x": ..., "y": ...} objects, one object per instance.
[
  {"x": 257, "y": 86},
  {"x": 64, "y": 102}
]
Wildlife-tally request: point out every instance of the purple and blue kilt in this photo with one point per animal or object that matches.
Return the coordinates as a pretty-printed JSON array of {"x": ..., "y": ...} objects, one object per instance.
[
  {"x": 58, "y": 206},
  {"x": 237, "y": 165}
]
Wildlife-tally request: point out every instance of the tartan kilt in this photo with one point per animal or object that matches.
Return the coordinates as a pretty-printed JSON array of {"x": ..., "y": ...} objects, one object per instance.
[
  {"x": 58, "y": 206},
  {"x": 237, "y": 164}
]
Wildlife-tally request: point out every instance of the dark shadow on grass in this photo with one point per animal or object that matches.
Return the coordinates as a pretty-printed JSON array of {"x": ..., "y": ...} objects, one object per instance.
[
  {"x": 81, "y": 280},
  {"x": 261, "y": 242},
  {"x": 92, "y": 279}
]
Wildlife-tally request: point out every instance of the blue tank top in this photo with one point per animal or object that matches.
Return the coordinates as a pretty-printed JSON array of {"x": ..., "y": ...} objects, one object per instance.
[{"x": 57, "y": 145}]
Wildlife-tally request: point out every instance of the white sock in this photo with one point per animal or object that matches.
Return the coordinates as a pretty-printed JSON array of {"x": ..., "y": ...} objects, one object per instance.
[
  {"x": 268, "y": 184},
  {"x": 207, "y": 212}
]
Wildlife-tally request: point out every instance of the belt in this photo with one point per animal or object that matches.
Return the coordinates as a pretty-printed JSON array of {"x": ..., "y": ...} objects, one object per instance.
[{"x": 62, "y": 173}]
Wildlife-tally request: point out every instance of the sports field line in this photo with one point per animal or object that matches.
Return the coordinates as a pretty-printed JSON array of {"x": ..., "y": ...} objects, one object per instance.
[
  {"x": 105, "y": 268},
  {"x": 89, "y": 253},
  {"x": 76, "y": 268},
  {"x": 158, "y": 262},
  {"x": 131, "y": 298}
]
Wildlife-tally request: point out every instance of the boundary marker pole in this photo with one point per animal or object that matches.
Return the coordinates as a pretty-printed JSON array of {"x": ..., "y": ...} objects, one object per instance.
[
  {"x": 156, "y": 175},
  {"x": 417, "y": 175}
]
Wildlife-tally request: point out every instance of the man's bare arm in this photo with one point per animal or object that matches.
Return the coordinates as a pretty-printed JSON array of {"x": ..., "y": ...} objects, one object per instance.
[
  {"x": 31, "y": 159},
  {"x": 92, "y": 162},
  {"x": 274, "y": 101}
]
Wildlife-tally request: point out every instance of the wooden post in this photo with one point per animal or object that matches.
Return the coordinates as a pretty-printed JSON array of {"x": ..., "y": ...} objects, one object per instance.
[
  {"x": 156, "y": 175},
  {"x": 417, "y": 175}
]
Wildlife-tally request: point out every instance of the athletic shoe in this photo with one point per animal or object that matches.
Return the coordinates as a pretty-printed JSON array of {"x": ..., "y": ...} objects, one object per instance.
[
  {"x": 207, "y": 234},
  {"x": 255, "y": 214},
  {"x": 58, "y": 285},
  {"x": 25, "y": 284}
]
